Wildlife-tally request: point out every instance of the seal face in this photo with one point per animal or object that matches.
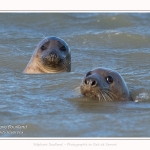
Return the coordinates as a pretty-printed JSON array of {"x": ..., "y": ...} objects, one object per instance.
[
  {"x": 105, "y": 84},
  {"x": 52, "y": 55}
]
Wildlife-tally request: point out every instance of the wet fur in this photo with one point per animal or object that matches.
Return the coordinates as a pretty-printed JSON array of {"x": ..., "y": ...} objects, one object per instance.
[
  {"x": 103, "y": 91},
  {"x": 41, "y": 62}
]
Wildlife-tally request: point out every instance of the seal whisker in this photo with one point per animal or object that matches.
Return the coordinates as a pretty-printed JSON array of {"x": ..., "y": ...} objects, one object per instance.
[
  {"x": 66, "y": 61},
  {"x": 107, "y": 95},
  {"x": 103, "y": 96},
  {"x": 64, "y": 66},
  {"x": 43, "y": 36},
  {"x": 76, "y": 91},
  {"x": 99, "y": 97},
  {"x": 110, "y": 93}
]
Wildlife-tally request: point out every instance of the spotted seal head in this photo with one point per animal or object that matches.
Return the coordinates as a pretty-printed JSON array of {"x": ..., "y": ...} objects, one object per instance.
[
  {"x": 52, "y": 55},
  {"x": 105, "y": 85}
]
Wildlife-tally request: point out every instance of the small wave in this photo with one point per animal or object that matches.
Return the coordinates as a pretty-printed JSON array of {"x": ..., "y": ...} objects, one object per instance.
[{"x": 142, "y": 96}]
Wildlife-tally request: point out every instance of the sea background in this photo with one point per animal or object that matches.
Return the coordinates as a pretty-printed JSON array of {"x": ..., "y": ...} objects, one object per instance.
[{"x": 50, "y": 105}]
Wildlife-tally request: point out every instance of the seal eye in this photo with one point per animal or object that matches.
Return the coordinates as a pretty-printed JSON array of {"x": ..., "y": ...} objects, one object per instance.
[
  {"x": 88, "y": 74},
  {"x": 109, "y": 79},
  {"x": 63, "y": 48},
  {"x": 43, "y": 47}
]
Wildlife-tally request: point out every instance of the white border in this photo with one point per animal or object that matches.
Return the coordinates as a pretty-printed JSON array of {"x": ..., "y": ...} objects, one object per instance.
[
  {"x": 74, "y": 5},
  {"x": 73, "y": 143}
]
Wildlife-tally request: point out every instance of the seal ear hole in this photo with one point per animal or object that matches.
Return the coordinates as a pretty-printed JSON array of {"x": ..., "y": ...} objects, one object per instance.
[
  {"x": 88, "y": 74},
  {"x": 43, "y": 47},
  {"x": 109, "y": 79},
  {"x": 63, "y": 48}
]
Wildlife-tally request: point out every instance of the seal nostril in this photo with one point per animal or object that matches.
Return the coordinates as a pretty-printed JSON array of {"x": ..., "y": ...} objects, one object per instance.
[
  {"x": 53, "y": 54},
  {"x": 90, "y": 82},
  {"x": 85, "y": 81},
  {"x": 94, "y": 83}
]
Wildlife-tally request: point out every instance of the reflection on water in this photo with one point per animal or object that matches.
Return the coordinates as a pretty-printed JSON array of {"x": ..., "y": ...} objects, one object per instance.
[{"x": 51, "y": 105}]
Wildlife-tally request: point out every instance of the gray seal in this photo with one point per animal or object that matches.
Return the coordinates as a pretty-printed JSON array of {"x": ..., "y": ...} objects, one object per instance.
[
  {"x": 52, "y": 55},
  {"x": 105, "y": 85}
]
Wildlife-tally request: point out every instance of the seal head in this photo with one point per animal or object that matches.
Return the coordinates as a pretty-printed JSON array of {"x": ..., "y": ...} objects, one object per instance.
[
  {"x": 52, "y": 55},
  {"x": 105, "y": 84}
]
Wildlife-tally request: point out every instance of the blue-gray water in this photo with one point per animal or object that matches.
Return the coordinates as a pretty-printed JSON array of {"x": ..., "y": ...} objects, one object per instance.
[{"x": 49, "y": 105}]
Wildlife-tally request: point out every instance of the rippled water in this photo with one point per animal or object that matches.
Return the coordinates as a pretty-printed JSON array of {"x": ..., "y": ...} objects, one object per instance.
[{"x": 48, "y": 105}]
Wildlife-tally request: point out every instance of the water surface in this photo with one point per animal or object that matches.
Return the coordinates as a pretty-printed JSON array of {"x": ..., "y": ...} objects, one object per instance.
[{"x": 48, "y": 105}]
